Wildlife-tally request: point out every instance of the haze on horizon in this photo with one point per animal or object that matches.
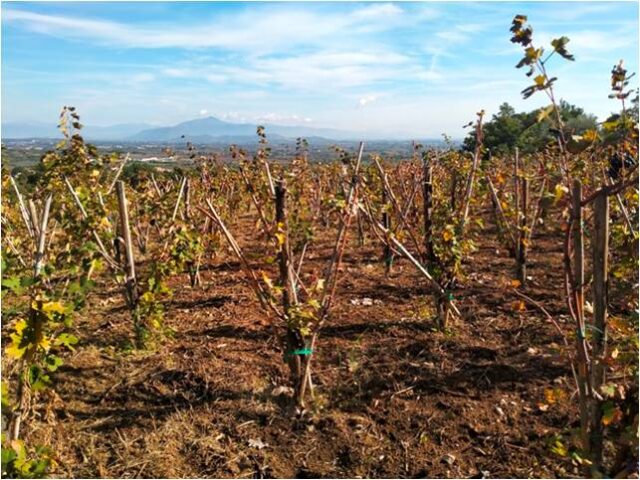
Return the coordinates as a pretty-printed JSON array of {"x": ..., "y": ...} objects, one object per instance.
[{"x": 402, "y": 69}]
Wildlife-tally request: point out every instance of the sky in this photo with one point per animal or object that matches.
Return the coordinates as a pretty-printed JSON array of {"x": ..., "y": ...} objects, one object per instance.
[{"x": 385, "y": 68}]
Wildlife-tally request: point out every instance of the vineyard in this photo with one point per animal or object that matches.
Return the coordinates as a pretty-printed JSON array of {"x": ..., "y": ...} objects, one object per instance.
[{"x": 458, "y": 313}]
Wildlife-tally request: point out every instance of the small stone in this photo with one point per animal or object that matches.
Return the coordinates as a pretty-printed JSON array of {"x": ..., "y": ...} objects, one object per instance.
[
  {"x": 257, "y": 443},
  {"x": 499, "y": 411},
  {"x": 282, "y": 390},
  {"x": 448, "y": 459}
]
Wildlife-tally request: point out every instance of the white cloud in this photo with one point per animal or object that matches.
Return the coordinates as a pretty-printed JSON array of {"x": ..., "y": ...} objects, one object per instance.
[
  {"x": 367, "y": 99},
  {"x": 379, "y": 10},
  {"x": 281, "y": 119},
  {"x": 203, "y": 112},
  {"x": 318, "y": 72},
  {"x": 142, "y": 78},
  {"x": 259, "y": 29}
]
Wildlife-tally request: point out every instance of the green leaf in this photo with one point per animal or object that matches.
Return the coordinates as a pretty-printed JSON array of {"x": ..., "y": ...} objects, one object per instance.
[
  {"x": 52, "y": 362},
  {"x": 37, "y": 378},
  {"x": 66, "y": 340},
  {"x": 13, "y": 284}
]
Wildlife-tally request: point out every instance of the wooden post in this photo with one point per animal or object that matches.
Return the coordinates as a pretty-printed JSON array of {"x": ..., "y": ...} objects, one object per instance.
[
  {"x": 502, "y": 219},
  {"x": 293, "y": 341},
  {"x": 522, "y": 234},
  {"x": 387, "y": 254},
  {"x": 516, "y": 194},
  {"x": 578, "y": 305},
  {"x": 578, "y": 248},
  {"x": 23, "y": 209},
  {"x": 599, "y": 339},
  {"x": 131, "y": 287},
  {"x": 21, "y": 394},
  {"x": 187, "y": 199},
  {"x": 454, "y": 187},
  {"x": 35, "y": 219},
  {"x": 280, "y": 193},
  {"x": 427, "y": 196},
  {"x": 42, "y": 233},
  {"x": 180, "y": 193},
  {"x": 360, "y": 229}
]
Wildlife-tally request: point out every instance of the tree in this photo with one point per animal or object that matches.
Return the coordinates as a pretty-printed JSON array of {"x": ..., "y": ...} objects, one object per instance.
[{"x": 527, "y": 130}]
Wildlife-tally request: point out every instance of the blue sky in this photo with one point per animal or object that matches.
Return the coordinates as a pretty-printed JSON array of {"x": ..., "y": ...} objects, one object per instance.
[{"x": 408, "y": 69}]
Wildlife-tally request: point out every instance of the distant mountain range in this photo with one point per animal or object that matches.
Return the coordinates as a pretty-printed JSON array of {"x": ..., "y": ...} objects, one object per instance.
[{"x": 201, "y": 130}]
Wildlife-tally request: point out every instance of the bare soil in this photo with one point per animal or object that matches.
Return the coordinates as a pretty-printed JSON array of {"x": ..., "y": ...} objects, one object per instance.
[{"x": 394, "y": 396}]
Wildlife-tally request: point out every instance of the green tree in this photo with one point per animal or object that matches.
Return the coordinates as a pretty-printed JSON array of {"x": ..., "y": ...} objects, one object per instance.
[{"x": 527, "y": 130}]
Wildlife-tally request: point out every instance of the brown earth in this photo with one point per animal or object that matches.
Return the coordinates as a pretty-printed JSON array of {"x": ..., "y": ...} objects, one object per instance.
[{"x": 394, "y": 397}]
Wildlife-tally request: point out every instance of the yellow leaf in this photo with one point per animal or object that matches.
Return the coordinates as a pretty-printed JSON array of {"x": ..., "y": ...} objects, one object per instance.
[
  {"x": 515, "y": 283},
  {"x": 281, "y": 238},
  {"x": 105, "y": 223},
  {"x": 53, "y": 307},
  {"x": 147, "y": 297},
  {"x": 267, "y": 280},
  {"x": 560, "y": 191},
  {"x": 447, "y": 235},
  {"x": 14, "y": 350},
  {"x": 590, "y": 135},
  {"x": 45, "y": 343},
  {"x": 544, "y": 113}
]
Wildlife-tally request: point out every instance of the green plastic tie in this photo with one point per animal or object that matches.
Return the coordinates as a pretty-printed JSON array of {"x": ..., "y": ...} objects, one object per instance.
[{"x": 301, "y": 351}]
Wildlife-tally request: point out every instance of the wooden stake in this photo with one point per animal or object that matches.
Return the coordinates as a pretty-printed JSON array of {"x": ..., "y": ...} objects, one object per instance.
[
  {"x": 387, "y": 254},
  {"x": 21, "y": 394},
  {"x": 23, "y": 209},
  {"x": 503, "y": 218},
  {"x": 522, "y": 233},
  {"x": 599, "y": 339},
  {"x": 187, "y": 200},
  {"x": 578, "y": 306},
  {"x": 42, "y": 232},
  {"x": 130, "y": 279},
  {"x": 427, "y": 196}
]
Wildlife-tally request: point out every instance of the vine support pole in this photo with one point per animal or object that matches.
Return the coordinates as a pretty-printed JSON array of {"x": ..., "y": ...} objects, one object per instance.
[
  {"x": 131, "y": 287},
  {"x": 578, "y": 305},
  {"x": 522, "y": 234},
  {"x": 600, "y": 249},
  {"x": 427, "y": 196},
  {"x": 387, "y": 254},
  {"x": 23, "y": 209},
  {"x": 21, "y": 393},
  {"x": 187, "y": 199},
  {"x": 502, "y": 219},
  {"x": 294, "y": 341}
]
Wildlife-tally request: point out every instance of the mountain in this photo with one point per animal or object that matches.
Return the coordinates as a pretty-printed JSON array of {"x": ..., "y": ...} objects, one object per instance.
[
  {"x": 211, "y": 128},
  {"x": 20, "y": 130},
  {"x": 202, "y": 130}
]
